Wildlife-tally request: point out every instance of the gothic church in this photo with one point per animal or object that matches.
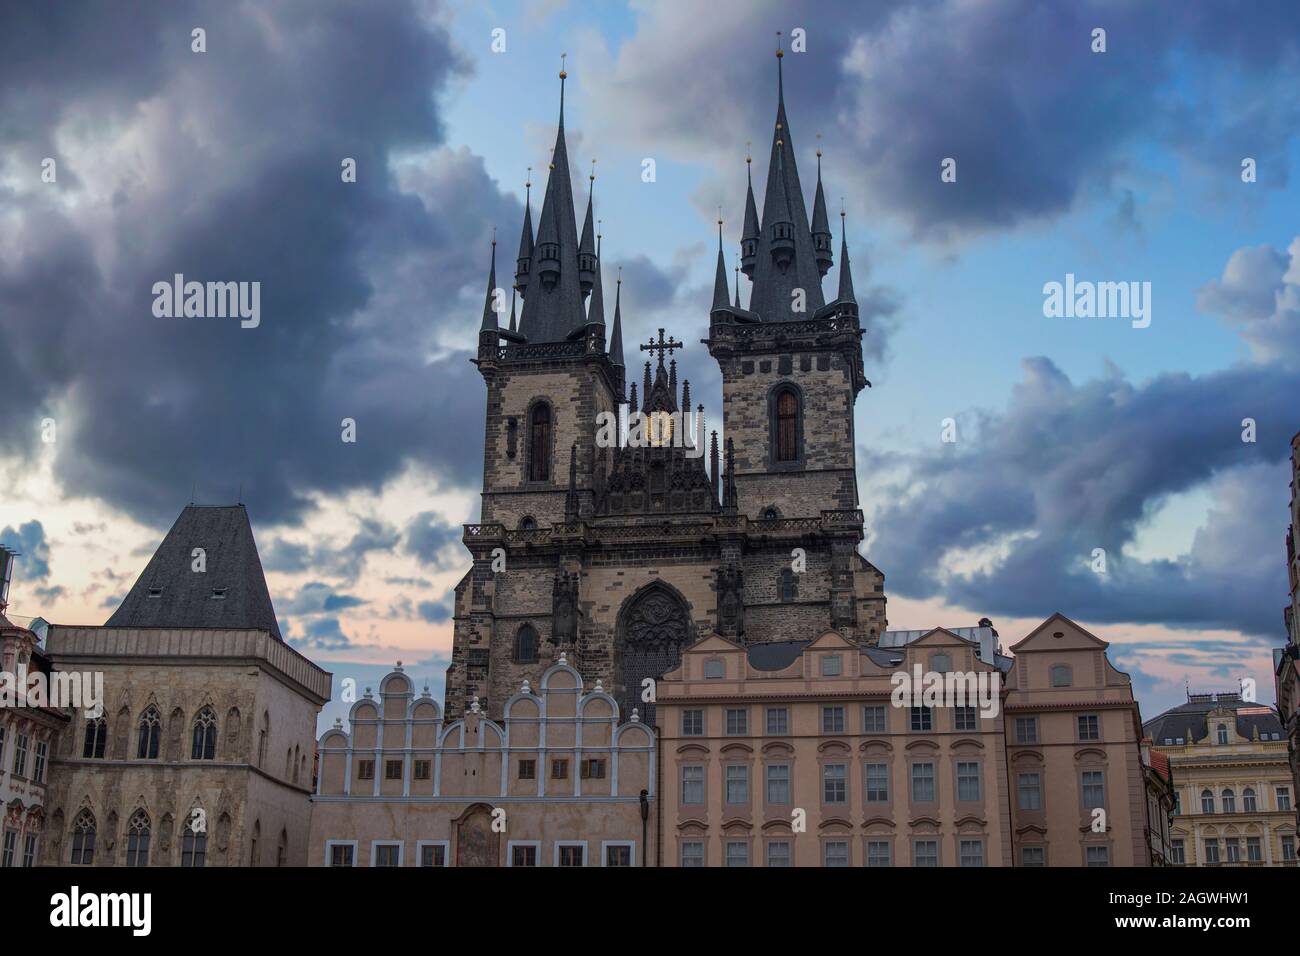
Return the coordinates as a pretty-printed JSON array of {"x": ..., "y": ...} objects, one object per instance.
[{"x": 620, "y": 557}]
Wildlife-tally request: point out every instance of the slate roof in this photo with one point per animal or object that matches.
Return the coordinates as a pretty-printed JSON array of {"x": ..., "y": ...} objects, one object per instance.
[
  {"x": 1189, "y": 722},
  {"x": 775, "y": 655},
  {"x": 184, "y": 597}
]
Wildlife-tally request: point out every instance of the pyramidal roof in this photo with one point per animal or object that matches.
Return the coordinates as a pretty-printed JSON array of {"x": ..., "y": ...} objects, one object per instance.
[{"x": 230, "y": 592}]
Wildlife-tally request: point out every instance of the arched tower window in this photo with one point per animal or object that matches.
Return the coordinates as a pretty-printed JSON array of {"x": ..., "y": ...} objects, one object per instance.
[
  {"x": 194, "y": 842},
  {"x": 96, "y": 738},
  {"x": 137, "y": 839},
  {"x": 83, "y": 839},
  {"x": 150, "y": 732},
  {"x": 539, "y": 443},
  {"x": 526, "y": 645},
  {"x": 787, "y": 425},
  {"x": 204, "y": 745}
]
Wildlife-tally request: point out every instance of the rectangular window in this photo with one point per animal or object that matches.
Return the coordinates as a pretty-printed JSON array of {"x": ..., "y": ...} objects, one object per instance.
[
  {"x": 1288, "y": 848},
  {"x": 527, "y": 769},
  {"x": 1098, "y": 856},
  {"x": 559, "y": 770},
  {"x": 692, "y": 854},
  {"x": 10, "y": 848},
  {"x": 972, "y": 852},
  {"x": 835, "y": 780},
  {"x": 619, "y": 854},
  {"x": 1212, "y": 851},
  {"x": 873, "y": 720},
  {"x": 365, "y": 769},
  {"x": 1094, "y": 789},
  {"x": 922, "y": 719},
  {"x": 523, "y": 855},
  {"x": 1283, "y": 795},
  {"x": 392, "y": 770},
  {"x": 778, "y": 783},
  {"x": 1089, "y": 728},
  {"x": 925, "y": 852},
  {"x": 832, "y": 665},
  {"x": 1177, "y": 853},
  {"x": 433, "y": 854},
  {"x": 922, "y": 783},
  {"x": 693, "y": 723},
  {"x": 692, "y": 786},
  {"x": 20, "y": 755},
  {"x": 572, "y": 854},
  {"x": 878, "y": 853},
  {"x": 737, "y": 720},
  {"x": 737, "y": 784},
  {"x": 387, "y": 854},
  {"x": 593, "y": 768},
  {"x": 1254, "y": 850},
  {"x": 968, "y": 780},
  {"x": 1029, "y": 788},
  {"x": 422, "y": 769},
  {"x": 38, "y": 766},
  {"x": 833, "y": 720},
  {"x": 1026, "y": 730},
  {"x": 965, "y": 718},
  {"x": 835, "y": 853},
  {"x": 341, "y": 855},
  {"x": 778, "y": 853},
  {"x": 1233, "y": 848},
  {"x": 778, "y": 720},
  {"x": 877, "y": 782},
  {"x": 1033, "y": 856},
  {"x": 737, "y": 853},
  {"x": 29, "y": 850}
]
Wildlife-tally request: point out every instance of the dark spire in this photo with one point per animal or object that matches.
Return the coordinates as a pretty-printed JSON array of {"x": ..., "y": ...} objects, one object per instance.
[
  {"x": 586, "y": 245},
  {"x": 616, "y": 334},
  {"x": 729, "y": 503},
  {"x": 553, "y": 306},
  {"x": 524, "y": 263},
  {"x": 489, "y": 313},
  {"x": 738, "y": 287},
  {"x": 686, "y": 396},
  {"x": 720, "y": 278},
  {"x": 846, "y": 274},
  {"x": 750, "y": 234},
  {"x": 784, "y": 260},
  {"x": 821, "y": 226},
  {"x": 672, "y": 375},
  {"x": 631, "y": 402},
  {"x": 645, "y": 389},
  {"x": 571, "y": 498},
  {"x": 512, "y": 311},
  {"x": 596, "y": 307},
  {"x": 713, "y": 464}
]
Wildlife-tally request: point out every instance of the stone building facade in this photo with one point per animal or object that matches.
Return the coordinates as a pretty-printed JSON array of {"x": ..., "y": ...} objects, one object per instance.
[
  {"x": 203, "y": 754},
  {"x": 622, "y": 553},
  {"x": 558, "y": 781},
  {"x": 1286, "y": 659},
  {"x": 1233, "y": 785}
]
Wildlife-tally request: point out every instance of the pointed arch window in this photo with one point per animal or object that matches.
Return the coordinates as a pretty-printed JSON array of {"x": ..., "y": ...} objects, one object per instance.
[
  {"x": 137, "y": 839},
  {"x": 785, "y": 425},
  {"x": 83, "y": 839},
  {"x": 194, "y": 844},
  {"x": 96, "y": 738},
  {"x": 150, "y": 733},
  {"x": 526, "y": 645},
  {"x": 539, "y": 442},
  {"x": 204, "y": 744}
]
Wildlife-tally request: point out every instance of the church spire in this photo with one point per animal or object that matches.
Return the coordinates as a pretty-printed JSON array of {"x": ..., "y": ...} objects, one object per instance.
[
  {"x": 586, "y": 245},
  {"x": 784, "y": 260},
  {"x": 524, "y": 262},
  {"x": 821, "y": 226},
  {"x": 846, "y": 274},
  {"x": 750, "y": 234},
  {"x": 555, "y": 307},
  {"x": 616, "y": 334},
  {"x": 489, "y": 312},
  {"x": 512, "y": 310},
  {"x": 738, "y": 287},
  {"x": 596, "y": 307},
  {"x": 720, "y": 278}
]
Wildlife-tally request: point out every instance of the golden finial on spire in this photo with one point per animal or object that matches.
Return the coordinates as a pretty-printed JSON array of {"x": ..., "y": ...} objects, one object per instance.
[
  {"x": 598, "y": 225},
  {"x": 620, "y": 275},
  {"x": 819, "y": 145},
  {"x": 749, "y": 144},
  {"x": 592, "y": 177},
  {"x": 563, "y": 74},
  {"x": 779, "y": 52}
]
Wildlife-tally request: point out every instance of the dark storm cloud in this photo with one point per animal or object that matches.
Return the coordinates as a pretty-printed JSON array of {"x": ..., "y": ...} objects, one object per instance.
[
  {"x": 225, "y": 166},
  {"x": 1008, "y": 88},
  {"x": 428, "y": 538},
  {"x": 28, "y": 539},
  {"x": 1067, "y": 468}
]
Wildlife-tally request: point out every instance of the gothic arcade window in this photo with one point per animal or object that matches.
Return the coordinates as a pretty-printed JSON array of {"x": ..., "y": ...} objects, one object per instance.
[
  {"x": 83, "y": 839},
  {"x": 526, "y": 645},
  {"x": 539, "y": 443},
  {"x": 789, "y": 589},
  {"x": 194, "y": 847},
  {"x": 96, "y": 738},
  {"x": 786, "y": 425},
  {"x": 137, "y": 839},
  {"x": 150, "y": 732},
  {"x": 204, "y": 746}
]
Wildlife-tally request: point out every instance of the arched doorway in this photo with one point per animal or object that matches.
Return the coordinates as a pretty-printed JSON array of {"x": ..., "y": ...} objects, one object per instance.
[
  {"x": 476, "y": 843},
  {"x": 653, "y": 628}
]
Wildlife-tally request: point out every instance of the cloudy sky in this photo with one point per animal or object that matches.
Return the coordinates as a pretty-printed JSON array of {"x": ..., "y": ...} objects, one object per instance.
[{"x": 1073, "y": 434}]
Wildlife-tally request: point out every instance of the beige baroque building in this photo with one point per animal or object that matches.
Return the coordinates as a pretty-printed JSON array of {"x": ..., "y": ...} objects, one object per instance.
[
  {"x": 1235, "y": 793},
  {"x": 1286, "y": 659},
  {"x": 557, "y": 781},
  {"x": 1073, "y": 733},
  {"x": 204, "y": 752},
  {"x": 792, "y": 753}
]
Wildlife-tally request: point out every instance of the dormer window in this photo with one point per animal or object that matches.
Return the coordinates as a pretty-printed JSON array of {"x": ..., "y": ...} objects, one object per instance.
[
  {"x": 219, "y": 594},
  {"x": 155, "y": 592}
]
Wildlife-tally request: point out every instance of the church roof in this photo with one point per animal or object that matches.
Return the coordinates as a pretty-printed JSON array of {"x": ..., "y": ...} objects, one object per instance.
[{"x": 230, "y": 593}]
